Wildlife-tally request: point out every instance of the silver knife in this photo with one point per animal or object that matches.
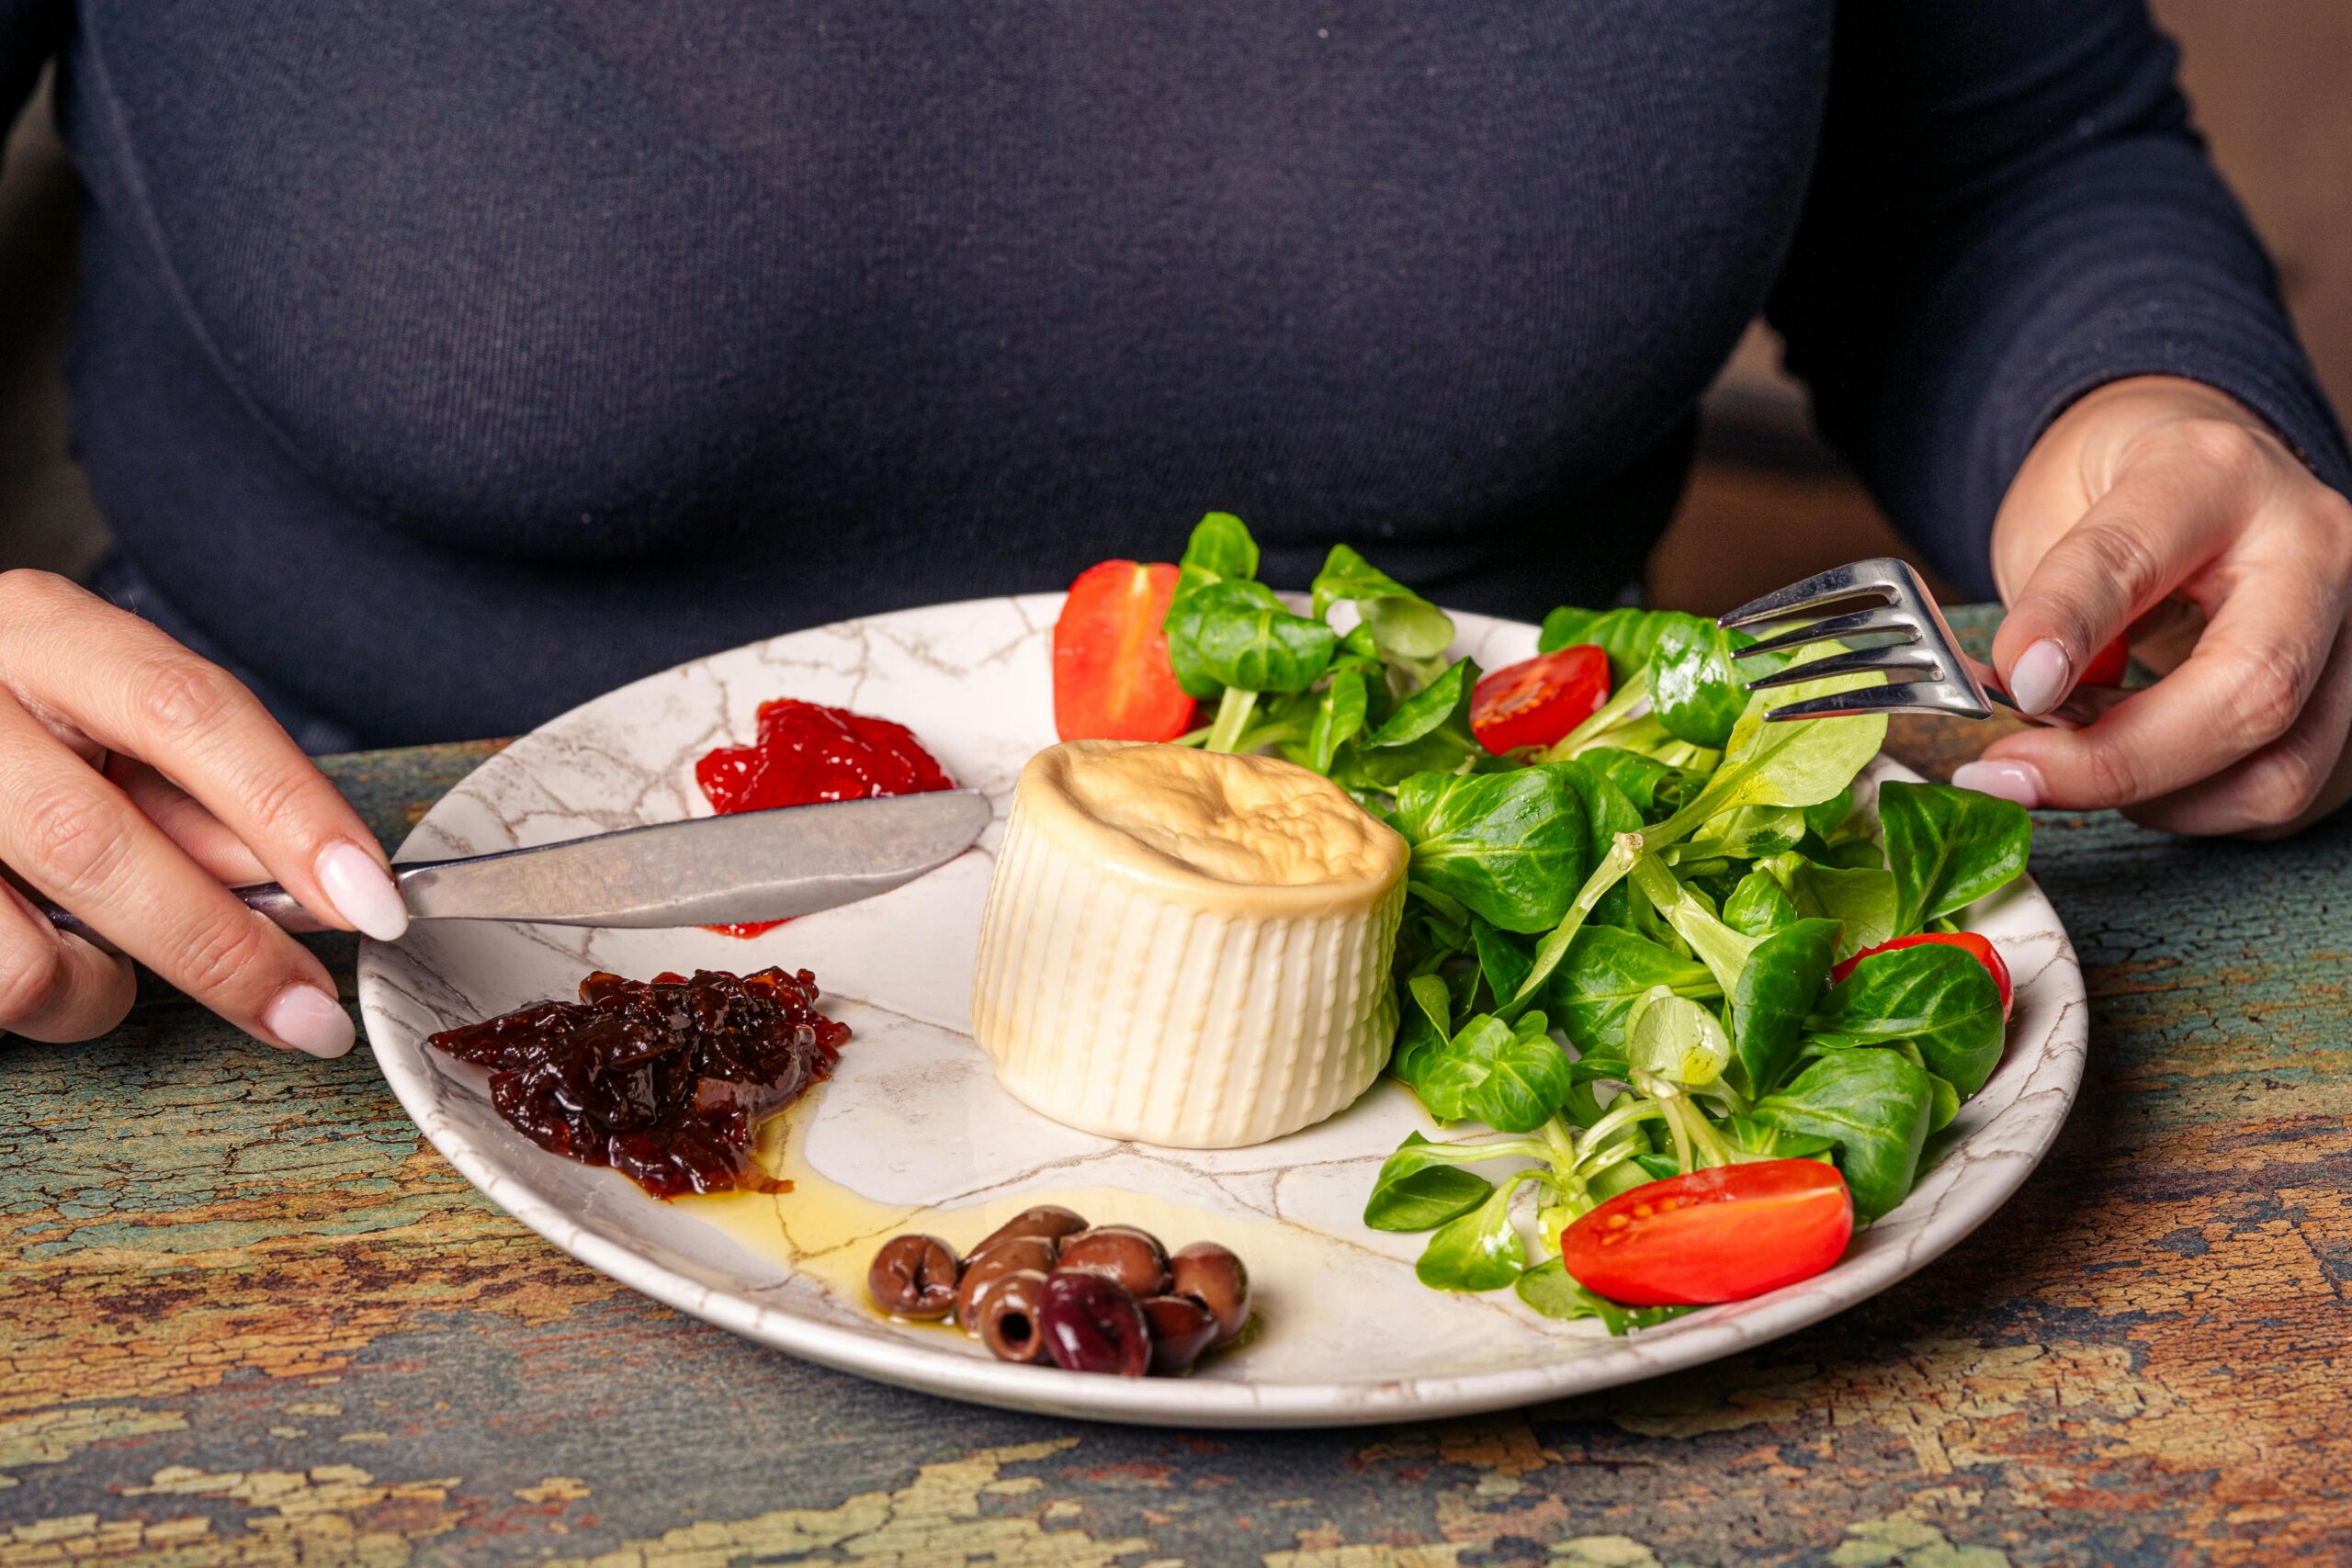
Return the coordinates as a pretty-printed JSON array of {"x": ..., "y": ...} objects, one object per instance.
[{"x": 706, "y": 871}]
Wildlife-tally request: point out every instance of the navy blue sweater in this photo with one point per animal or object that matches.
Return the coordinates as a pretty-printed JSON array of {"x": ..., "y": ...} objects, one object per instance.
[{"x": 442, "y": 365}]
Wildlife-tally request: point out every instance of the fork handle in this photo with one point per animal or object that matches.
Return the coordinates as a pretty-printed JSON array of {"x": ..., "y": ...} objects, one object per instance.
[
  {"x": 2080, "y": 708},
  {"x": 266, "y": 899}
]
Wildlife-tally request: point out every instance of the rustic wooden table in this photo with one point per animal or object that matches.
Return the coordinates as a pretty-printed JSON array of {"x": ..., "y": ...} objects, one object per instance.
[{"x": 249, "y": 1317}]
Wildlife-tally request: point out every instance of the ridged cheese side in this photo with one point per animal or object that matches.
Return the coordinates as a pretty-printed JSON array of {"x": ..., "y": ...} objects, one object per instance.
[{"x": 1123, "y": 991}]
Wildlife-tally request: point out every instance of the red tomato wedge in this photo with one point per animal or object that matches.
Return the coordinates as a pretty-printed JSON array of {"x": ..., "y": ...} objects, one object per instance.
[
  {"x": 1112, "y": 677},
  {"x": 2108, "y": 665},
  {"x": 1535, "y": 703},
  {"x": 1720, "y": 1234},
  {"x": 1986, "y": 955}
]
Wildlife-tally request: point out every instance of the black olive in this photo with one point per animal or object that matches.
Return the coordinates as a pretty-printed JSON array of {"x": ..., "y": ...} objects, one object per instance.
[
  {"x": 1032, "y": 1252},
  {"x": 1091, "y": 1324},
  {"x": 1133, "y": 1257},
  {"x": 1180, "y": 1329},
  {"x": 914, "y": 1277},
  {"x": 1048, "y": 1219},
  {"x": 1213, "y": 1276},
  {"x": 1008, "y": 1315}
]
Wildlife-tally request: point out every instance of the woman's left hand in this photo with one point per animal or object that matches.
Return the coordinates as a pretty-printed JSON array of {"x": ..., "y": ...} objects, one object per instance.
[{"x": 2154, "y": 489}]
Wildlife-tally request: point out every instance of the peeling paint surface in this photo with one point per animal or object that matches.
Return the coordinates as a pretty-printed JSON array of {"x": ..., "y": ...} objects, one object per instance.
[{"x": 247, "y": 1317}]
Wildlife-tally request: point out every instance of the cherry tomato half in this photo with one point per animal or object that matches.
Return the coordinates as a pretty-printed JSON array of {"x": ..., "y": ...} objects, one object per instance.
[
  {"x": 2108, "y": 665},
  {"x": 1720, "y": 1234},
  {"x": 1535, "y": 703},
  {"x": 1112, "y": 677},
  {"x": 1986, "y": 955}
]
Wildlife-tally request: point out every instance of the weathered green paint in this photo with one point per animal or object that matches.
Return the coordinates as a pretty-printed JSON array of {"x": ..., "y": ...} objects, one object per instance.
[{"x": 247, "y": 1317}]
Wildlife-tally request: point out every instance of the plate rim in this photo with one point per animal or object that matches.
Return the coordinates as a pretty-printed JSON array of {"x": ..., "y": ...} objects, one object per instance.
[{"x": 1218, "y": 1402}]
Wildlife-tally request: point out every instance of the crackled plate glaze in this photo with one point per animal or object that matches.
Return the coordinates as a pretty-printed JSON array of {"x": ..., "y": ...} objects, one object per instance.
[{"x": 913, "y": 1132}]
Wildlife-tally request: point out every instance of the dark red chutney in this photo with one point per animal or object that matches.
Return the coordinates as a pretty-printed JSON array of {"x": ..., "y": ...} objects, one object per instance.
[
  {"x": 805, "y": 753},
  {"x": 666, "y": 1080}
]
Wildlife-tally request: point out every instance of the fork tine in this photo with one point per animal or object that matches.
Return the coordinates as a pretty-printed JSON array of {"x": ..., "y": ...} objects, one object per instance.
[
  {"x": 1854, "y": 662},
  {"x": 1862, "y": 578},
  {"x": 1918, "y": 698},
  {"x": 1885, "y": 619},
  {"x": 1912, "y": 639}
]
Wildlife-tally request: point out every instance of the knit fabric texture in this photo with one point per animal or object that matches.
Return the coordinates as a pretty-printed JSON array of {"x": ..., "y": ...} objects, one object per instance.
[{"x": 441, "y": 366}]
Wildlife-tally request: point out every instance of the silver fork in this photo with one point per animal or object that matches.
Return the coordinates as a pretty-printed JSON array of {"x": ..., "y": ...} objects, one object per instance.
[{"x": 1902, "y": 635}]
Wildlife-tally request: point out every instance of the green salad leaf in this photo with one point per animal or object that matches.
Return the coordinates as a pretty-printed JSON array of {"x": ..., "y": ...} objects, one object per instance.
[
  {"x": 1429, "y": 731},
  {"x": 1424, "y": 1033},
  {"x": 1422, "y": 1185},
  {"x": 1220, "y": 547},
  {"x": 1503, "y": 959},
  {"x": 1721, "y": 948},
  {"x": 1236, "y": 633},
  {"x": 1946, "y": 848},
  {"x": 1766, "y": 1142},
  {"x": 1698, "y": 693},
  {"x": 1862, "y": 899},
  {"x": 1825, "y": 817},
  {"x": 1792, "y": 764},
  {"x": 1480, "y": 1251},
  {"x": 1340, "y": 715},
  {"x": 1551, "y": 1290},
  {"x": 1943, "y": 1104},
  {"x": 1508, "y": 1074},
  {"x": 1759, "y": 906},
  {"x": 1511, "y": 847},
  {"x": 1675, "y": 1039},
  {"x": 1773, "y": 995},
  {"x": 1747, "y": 833},
  {"x": 1609, "y": 970},
  {"x": 1937, "y": 998},
  {"x": 1608, "y": 815},
  {"x": 1653, "y": 787},
  {"x": 1400, "y": 622},
  {"x": 1628, "y": 636},
  {"x": 1875, "y": 1107},
  {"x": 1667, "y": 886}
]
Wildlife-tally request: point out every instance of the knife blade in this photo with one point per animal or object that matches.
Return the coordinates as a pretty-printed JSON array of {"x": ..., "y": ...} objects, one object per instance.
[{"x": 706, "y": 871}]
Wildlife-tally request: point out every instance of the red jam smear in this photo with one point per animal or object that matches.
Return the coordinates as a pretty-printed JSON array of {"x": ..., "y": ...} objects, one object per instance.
[
  {"x": 807, "y": 753},
  {"x": 666, "y": 1080}
]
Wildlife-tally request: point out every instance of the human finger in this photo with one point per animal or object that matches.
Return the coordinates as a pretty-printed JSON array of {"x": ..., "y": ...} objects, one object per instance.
[
  {"x": 2277, "y": 788},
  {"x": 54, "y": 987},
  {"x": 2163, "y": 519},
  {"x": 2240, "y": 688},
  {"x": 134, "y": 690},
  {"x": 77, "y": 839},
  {"x": 204, "y": 837}
]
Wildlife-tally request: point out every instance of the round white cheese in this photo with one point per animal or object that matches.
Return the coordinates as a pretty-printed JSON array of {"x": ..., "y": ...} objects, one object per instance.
[{"x": 1185, "y": 947}]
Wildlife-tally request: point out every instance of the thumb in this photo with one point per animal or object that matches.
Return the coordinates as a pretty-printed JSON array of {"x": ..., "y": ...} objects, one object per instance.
[{"x": 2155, "y": 526}]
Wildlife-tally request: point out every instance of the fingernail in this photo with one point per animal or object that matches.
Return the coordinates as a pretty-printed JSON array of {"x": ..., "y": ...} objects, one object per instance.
[
  {"x": 2041, "y": 676},
  {"x": 309, "y": 1019},
  {"x": 2021, "y": 781},
  {"x": 363, "y": 892}
]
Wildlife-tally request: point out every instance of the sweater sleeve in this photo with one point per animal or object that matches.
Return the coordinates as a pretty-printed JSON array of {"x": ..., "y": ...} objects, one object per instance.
[{"x": 2010, "y": 208}]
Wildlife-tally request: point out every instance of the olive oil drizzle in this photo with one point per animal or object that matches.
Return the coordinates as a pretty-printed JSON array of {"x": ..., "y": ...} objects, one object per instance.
[{"x": 829, "y": 1232}]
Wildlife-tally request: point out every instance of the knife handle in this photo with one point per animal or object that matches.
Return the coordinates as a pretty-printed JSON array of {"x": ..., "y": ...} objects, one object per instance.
[{"x": 266, "y": 899}]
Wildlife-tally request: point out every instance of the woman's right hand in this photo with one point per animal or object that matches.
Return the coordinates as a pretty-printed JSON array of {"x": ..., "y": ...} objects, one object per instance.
[{"x": 138, "y": 783}]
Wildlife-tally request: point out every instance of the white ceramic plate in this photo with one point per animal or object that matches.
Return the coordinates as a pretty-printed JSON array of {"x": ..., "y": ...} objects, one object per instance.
[{"x": 914, "y": 1121}]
